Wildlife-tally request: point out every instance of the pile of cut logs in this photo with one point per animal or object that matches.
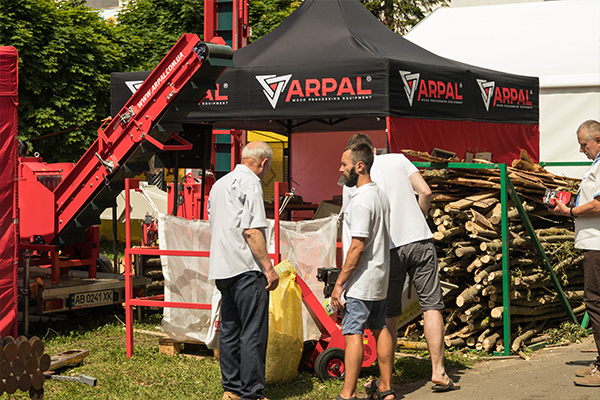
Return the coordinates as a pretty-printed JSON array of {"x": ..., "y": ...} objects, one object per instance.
[
  {"x": 152, "y": 268},
  {"x": 22, "y": 366},
  {"x": 465, "y": 216}
]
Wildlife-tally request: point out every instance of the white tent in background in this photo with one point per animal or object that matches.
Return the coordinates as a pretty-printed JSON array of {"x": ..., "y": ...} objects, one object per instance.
[{"x": 557, "y": 41}]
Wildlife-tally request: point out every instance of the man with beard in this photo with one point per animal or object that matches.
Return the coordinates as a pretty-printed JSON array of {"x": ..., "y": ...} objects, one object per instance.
[
  {"x": 412, "y": 252},
  {"x": 364, "y": 275},
  {"x": 587, "y": 237}
]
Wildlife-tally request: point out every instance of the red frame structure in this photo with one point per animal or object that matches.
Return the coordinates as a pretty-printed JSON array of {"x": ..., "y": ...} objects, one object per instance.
[
  {"x": 158, "y": 301},
  {"x": 331, "y": 333}
]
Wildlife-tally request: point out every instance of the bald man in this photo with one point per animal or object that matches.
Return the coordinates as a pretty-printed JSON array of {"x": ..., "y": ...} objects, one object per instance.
[{"x": 243, "y": 272}]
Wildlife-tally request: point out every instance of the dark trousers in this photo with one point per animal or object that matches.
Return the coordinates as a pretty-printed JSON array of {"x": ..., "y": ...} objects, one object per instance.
[
  {"x": 244, "y": 333},
  {"x": 591, "y": 292}
]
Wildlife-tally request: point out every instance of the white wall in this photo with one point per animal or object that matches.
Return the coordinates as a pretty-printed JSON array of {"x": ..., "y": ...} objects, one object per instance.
[{"x": 557, "y": 41}]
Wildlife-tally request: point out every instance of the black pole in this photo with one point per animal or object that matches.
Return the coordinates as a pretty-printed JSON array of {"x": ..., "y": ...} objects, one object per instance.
[
  {"x": 289, "y": 135},
  {"x": 175, "y": 183},
  {"x": 114, "y": 231},
  {"x": 205, "y": 149}
]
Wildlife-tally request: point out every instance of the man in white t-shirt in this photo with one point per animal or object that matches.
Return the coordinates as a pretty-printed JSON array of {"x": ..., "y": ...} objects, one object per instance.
[
  {"x": 412, "y": 252},
  {"x": 365, "y": 273},
  {"x": 587, "y": 237},
  {"x": 242, "y": 269}
]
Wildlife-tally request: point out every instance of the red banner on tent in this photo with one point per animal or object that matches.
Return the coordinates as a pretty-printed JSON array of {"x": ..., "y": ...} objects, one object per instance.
[
  {"x": 504, "y": 141},
  {"x": 8, "y": 154}
]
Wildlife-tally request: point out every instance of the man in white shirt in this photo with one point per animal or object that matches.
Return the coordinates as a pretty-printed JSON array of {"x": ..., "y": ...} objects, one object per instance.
[
  {"x": 365, "y": 273},
  {"x": 411, "y": 252},
  {"x": 587, "y": 237},
  {"x": 242, "y": 269}
]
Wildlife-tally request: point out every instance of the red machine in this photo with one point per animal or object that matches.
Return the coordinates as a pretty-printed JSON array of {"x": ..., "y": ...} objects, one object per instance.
[
  {"x": 191, "y": 204},
  {"x": 60, "y": 204},
  {"x": 325, "y": 356}
]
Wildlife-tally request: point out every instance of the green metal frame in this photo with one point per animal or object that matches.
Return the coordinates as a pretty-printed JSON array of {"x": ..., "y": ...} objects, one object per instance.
[
  {"x": 565, "y": 164},
  {"x": 506, "y": 187},
  {"x": 585, "y": 319}
]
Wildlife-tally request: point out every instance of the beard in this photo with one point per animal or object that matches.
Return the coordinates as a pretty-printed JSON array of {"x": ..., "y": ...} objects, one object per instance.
[{"x": 352, "y": 178}]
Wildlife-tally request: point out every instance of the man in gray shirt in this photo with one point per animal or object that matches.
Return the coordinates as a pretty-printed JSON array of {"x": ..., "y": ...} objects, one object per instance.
[{"x": 243, "y": 272}]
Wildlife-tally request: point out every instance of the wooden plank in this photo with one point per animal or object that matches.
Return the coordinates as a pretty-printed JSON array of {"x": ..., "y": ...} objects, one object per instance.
[{"x": 171, "y": 347}]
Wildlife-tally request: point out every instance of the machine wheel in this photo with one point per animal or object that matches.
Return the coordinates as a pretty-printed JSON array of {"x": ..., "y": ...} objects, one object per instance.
[
  {"x": 104, "y": 264},
  {"x": 306, "y": 362},
  {"x": 330, "y": 364}
]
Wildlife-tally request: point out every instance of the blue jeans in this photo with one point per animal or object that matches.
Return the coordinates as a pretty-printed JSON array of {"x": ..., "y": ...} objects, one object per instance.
[{"x": 244, "y": 333}]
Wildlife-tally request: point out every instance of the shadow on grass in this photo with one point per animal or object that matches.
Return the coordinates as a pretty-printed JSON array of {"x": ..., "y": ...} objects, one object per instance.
[{"x": 407, "y": 371}]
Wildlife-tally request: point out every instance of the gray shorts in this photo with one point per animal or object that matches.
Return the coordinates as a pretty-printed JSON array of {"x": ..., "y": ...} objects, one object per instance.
[
  {"x": 420, "y": 261},
  {"x": 360, "y": 314}
]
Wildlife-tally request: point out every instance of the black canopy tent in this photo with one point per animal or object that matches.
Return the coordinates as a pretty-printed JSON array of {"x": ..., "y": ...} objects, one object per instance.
[
  {"x": 332, "y": 66},
  {"x": 332, "y": 60}
]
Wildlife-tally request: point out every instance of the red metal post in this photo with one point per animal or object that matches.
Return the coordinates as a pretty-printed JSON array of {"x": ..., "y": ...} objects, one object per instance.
[
  {"x": 215, "y": 13},
  {"x": 237, "y": 142},
  {"x": 129, "y": 184}
]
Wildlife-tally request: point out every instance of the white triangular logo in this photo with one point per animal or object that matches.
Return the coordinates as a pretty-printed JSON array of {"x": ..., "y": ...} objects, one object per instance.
[
  {"x": 410, "y": 81},
  {"x": 273, "y": 86},
  {"x": 487, "y": 91},
  {"x": 134, "y": 85}
]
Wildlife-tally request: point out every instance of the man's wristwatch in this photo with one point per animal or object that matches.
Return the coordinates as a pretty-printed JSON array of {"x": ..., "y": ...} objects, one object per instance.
[{"x": 571, "y": 212}]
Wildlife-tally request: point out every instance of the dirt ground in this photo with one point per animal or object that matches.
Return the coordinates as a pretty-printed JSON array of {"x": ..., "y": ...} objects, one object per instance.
[{"x": 548, "y": 374}]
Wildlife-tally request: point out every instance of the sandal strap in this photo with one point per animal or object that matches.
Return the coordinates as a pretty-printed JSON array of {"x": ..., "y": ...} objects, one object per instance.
[{"x": 384, "y": 394}]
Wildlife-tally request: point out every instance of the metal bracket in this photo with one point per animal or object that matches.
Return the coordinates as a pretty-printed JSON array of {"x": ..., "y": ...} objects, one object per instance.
[
  {"x": 185, "y": 145},
  {"x": 125, "y": 117},
  {"x": 288, "y": 197},
  {"x": 107, "y": 164},
  {"x": 201, "y": 51}
]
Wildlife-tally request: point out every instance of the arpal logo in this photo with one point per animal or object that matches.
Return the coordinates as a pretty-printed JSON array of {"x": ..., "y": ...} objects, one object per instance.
[
  {"x": 410, "y": 81},
  {"x": 273, "y": 86},
  {"x": 487, "y": 91},
  {"x": 134, "y": 85}
]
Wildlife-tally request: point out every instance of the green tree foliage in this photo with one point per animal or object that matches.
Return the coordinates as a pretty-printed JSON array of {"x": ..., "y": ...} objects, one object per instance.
[
  {"x": 265, "y": 15},
  {"x": 66, "y": 55},
  {"x": 401, "y": 15},
  {"x": 149, "y": 28},
  {"x": 398, "y": 15}
]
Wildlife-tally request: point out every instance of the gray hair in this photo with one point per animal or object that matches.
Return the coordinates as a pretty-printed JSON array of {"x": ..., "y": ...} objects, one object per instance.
[
  {"x": 257, "y": 151},
  {"x": 591, "y": 128}
]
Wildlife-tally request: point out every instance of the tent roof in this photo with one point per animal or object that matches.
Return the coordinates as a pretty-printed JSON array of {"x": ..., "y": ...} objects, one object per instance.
[
  {"x": 559, "y": 41},
  {"x": 331, "y": 31},
  {"x": 331, "y": 65}
]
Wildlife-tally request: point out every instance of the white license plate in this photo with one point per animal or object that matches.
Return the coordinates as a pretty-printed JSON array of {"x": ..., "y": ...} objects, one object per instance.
[{"x": 91, "y": 299}]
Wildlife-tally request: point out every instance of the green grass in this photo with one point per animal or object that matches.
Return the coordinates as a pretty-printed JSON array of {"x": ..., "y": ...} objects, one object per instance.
[
  {"x": 106, "y": 248},
  {"x": 150, "y": 375}
]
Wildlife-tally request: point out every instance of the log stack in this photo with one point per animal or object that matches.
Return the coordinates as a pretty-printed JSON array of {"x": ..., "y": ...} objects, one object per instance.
[
  {"x": 22, "y": 366},
  {"x": 465, "y": 218}
]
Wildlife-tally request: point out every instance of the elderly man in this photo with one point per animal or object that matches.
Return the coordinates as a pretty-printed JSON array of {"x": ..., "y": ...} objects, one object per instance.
[
  {"x": 411, "y": 252},
  {"x": 243, "y": 272},
  {"x": 364, "y": 274},
  {"x": 587, "y": 237}
]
